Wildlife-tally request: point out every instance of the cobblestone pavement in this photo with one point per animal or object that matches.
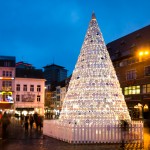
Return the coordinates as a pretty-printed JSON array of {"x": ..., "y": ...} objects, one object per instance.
[{"x": 17, "y": 139}]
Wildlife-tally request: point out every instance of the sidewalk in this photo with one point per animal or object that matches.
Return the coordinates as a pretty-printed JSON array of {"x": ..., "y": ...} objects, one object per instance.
[
  {"x": 16, "y": 131},
  {"x": 18, "y": 139}
]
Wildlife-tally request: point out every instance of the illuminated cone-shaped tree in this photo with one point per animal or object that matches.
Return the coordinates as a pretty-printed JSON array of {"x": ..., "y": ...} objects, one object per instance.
[{"x": 94, "y": 95}]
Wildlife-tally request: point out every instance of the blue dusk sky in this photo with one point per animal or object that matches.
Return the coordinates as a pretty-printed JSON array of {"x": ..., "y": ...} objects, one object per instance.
[{"x": 41, "y": 32}]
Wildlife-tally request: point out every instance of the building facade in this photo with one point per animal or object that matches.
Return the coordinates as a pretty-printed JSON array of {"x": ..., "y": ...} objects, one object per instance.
[
  {"x": 29, "y": 91},
  {"x": 54, "y": 74},
  {"x": 55, "y": 97},
  {"x": 7, "y": 82},
  {"x": 29, "y": 96},
  {"x": 131, "y": 58}
]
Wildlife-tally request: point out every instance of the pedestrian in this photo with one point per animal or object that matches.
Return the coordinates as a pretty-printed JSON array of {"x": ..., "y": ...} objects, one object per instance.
[
  {"x": 5, "y": 122},
  {"x": 40, "y": 121},
  {"x": 22, "y": 119},
  {"x": 31, "y": 120},
  {"x": 36, "y": 120},
  {"x": 0, "y": 117},
  {"x": 26, "y": 124}
]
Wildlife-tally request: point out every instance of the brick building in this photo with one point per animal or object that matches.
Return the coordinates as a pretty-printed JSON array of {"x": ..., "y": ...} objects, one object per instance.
[{"x": 131, "y": 58}]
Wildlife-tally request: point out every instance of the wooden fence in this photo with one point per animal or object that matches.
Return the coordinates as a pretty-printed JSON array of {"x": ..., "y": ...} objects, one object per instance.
[{"x": 100, "y": 133}]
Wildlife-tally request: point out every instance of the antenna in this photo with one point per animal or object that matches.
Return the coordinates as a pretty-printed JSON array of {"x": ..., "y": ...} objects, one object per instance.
[{"x": 53, "y": 60}]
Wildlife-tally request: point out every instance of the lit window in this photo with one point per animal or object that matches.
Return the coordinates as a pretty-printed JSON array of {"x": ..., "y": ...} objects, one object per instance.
[
  {"x": 146, "y": 88},
  {"x": 131, "y": 90}
]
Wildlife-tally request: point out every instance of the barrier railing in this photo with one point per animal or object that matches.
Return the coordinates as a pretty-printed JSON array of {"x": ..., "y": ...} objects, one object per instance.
[{"x": 100, "y": 133}]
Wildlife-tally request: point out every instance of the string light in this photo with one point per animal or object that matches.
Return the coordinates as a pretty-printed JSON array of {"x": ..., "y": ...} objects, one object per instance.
[{"x": 94, "y": 95}]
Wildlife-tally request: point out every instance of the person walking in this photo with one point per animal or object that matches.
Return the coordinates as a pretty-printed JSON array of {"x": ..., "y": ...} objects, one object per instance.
[
  {"x": 26, "y": 124},
  {"x": 31, "y": 120},
  {"x": 5, "y": 122},
  {"x": 0, "y": 117},
  {"x": 36, "y": 120},
  {"x": 40, "y": 122}
]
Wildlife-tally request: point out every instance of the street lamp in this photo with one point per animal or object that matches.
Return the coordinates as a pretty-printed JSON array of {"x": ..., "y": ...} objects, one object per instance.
[{"x": 143, "y": 53}]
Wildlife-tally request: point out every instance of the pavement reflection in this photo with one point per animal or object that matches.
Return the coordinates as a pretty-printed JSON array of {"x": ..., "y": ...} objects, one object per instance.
[{"x": 17, "y": 139}]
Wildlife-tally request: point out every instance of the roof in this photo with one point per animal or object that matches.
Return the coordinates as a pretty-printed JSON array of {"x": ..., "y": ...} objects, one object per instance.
[
  {"x": 29, "y": 73},
  {"x": 134, "y": 40},
  {"x": 7, "y": 58},
  {"x": 23, "y": 63},
  {"x": 53, "y": 65}
]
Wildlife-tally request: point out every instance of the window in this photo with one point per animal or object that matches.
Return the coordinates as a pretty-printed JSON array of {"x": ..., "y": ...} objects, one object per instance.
[
  {"x": 131, "y": 75},
  {"x": 6, "y": 83},
  {"x": 58, "y": 98},
  {"x": 146, "y": 88},
  {"x": 3, "y": 73},
  {"x": 10, "y": 73},
  {"x": 6, "y": 64},
  {"x": 17, "y": 98},
  {"x": 147, "y": 71},
  {"x": 38, "y": 98},
  {"x": 58, "y": 91},
  {"x": 18, "y": 87},
  {"x": 38, "y": 88},
  {"x": 132, "y": 90},
  {"x": 24, "y": 87},
  {"x": 7, "y": 73},
  {"x": 32, "y": 88}
]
